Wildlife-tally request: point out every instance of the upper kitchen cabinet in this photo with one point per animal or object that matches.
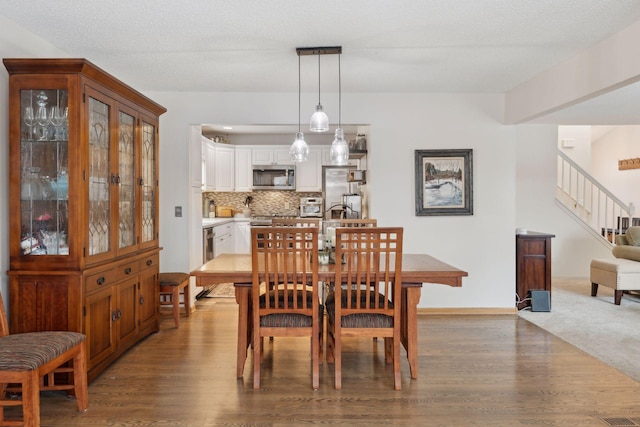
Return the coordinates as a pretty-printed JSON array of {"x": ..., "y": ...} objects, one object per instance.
[
  {"x": 225, "y": 167},
  {"x": 219, "y": 167},
  {"x": 243, "y": 172},
  {"x": 271, "y": 156},
  {"x": 309, "y": 173},
  {"x": 83, "y": 191}
]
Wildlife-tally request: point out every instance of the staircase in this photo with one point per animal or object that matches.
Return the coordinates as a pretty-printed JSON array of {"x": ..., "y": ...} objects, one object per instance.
[{"x": 589, "y": 202}]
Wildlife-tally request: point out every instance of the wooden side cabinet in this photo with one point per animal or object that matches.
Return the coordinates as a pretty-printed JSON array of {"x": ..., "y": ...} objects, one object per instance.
[
  {"x": 533, "y": 265},
  {"x": 83, "y": 200}
]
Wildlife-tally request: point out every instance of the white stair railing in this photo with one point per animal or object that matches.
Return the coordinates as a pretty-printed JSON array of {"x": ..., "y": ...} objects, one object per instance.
[{"x": 590, "y": 202}]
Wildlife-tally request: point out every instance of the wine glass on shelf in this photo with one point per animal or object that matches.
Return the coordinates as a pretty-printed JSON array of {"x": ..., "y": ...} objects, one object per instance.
[
  {"x": 56, "y": 116},
  {"x": 29, "y": 120},
  {"x": 41, "y": 115},
  {"x": 43, "y": 121}
]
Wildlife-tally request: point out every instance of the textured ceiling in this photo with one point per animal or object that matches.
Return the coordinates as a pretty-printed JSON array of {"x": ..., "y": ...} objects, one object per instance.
[{"x": 388, "y": 45}]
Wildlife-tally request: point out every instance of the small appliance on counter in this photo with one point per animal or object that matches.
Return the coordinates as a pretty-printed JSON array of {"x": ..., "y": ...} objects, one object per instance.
[
  {"x": 224, "y": 211},
  {"x": 335, "y": 183},
  {"x": 311, "y": 207},
  {"x": 353, "y": 205}
]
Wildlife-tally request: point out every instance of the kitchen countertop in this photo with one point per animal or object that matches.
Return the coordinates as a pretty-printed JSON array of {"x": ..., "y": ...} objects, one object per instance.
[{"x": 212, "y": 222}]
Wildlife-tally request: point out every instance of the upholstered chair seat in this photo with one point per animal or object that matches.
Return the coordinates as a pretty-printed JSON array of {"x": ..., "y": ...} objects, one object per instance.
[
  {"x": 27, "y": 352},
  {"x": 288, "y": 320},
  {"x": 364, "y": 320}
]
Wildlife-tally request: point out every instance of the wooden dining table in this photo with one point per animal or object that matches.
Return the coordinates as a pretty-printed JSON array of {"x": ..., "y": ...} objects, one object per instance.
[{"x": 416, "y": 270}]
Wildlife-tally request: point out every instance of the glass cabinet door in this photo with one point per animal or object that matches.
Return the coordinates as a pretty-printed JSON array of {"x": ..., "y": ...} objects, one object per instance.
[
  {"x": 99, "y": 178},
  {"x": 126, "y": 181},
  {"x": 44, "y": 182},
  {"x": 149, "y": 180}
]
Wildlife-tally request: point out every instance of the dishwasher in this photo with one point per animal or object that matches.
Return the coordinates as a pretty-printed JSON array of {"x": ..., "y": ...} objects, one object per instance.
[
  {"x": 208, "y": 244},
  {"x": 208, "y": 253}
]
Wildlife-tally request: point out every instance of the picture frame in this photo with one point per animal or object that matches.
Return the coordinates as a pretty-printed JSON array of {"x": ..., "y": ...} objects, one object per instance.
[{"x": 444, "y": 182}]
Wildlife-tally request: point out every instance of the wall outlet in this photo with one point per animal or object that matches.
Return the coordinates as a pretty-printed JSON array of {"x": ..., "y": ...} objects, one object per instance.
[
  {"x": 178, "y": 211},
  {"x": 287, "y": 205}
]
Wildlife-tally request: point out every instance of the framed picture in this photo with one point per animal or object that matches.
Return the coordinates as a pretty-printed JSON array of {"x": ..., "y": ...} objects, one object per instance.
[{"x": 444, "y": 182}]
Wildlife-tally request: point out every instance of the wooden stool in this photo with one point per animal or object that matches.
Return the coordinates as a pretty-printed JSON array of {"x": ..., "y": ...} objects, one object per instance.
[{"x": 171, "y": 285}]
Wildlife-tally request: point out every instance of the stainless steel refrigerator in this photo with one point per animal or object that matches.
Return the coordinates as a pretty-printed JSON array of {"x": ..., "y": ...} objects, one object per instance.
[{"x": 335, "y": 185}]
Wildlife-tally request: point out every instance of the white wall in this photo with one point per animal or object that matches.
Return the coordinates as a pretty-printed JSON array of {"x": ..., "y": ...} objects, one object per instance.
[
  {"x": 621, "y": 143},
  {"x": 605, "y": 66},
  {"x": 573, "y": 247},
  {"x": 580, "y": 137}
]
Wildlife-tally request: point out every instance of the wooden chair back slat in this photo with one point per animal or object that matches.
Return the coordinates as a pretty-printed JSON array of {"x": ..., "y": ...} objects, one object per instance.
[
  {"x": 372, "y": 266},
  {"x": 348, "y": 222},
  {"x": 283, "y": 260},
  {"x": 295, "y": 222}
]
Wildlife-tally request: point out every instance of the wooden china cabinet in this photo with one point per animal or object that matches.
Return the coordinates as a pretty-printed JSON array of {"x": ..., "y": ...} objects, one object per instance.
[{"x": 84, "y": 205}]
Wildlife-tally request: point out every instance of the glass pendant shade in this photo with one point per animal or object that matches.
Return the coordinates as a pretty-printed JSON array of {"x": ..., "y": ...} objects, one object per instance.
[
  {"x": 319, "y": 120},
  {"x": 299, "y": 150},
  {"x": 339, "y": 149}
]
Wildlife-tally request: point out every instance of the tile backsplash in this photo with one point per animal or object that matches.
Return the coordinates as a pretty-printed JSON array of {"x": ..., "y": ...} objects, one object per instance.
[{"x": 264, "y": 203}]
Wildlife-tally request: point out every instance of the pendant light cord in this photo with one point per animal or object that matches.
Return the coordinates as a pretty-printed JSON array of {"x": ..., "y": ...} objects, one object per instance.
[
  {"x": 299, "y": 104},
  {"x": 339, "y": 93},
  {"x": 319, "y": 80}
]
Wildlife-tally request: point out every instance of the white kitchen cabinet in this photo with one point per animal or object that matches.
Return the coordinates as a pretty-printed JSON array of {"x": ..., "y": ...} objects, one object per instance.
[
  {"x": 210, "y": 166},
  {"x": 219, "y": 166},
  {"x": 273, "y": 155},
  {"x": 309, "y": 173},
  {"x": 243, "y": 172},
  {"x": 242, "y": 237},
  {"x": 282, "y": 156},
  {"x": 224, "y": 168},
  {"x": 223, "y": 242}
]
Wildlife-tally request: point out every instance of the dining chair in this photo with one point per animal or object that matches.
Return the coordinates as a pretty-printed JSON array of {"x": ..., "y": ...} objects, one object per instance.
[
  {"x": 285, "y": 296},
  {"x": 351, "y": 222},
  {"x": 368, "y": 287},
  {"x": 295, "y": 222},
  {"x": 28, "y": 359}
]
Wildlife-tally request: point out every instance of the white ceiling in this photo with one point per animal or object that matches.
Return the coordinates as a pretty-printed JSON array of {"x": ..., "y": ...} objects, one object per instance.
[{"x": 388, "y": 45}]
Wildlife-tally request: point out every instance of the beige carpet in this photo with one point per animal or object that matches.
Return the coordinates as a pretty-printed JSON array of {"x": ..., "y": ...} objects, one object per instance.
[
  {"x": 223, "y": 290},
  {"x": 597, "y": 326}
]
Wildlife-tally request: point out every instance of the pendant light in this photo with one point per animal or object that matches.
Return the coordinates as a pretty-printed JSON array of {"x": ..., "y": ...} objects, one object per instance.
[
  {"x": 299, "y": 151},
  {"x": 319, "y": 120},
  {"x": 339, "y": 149}
]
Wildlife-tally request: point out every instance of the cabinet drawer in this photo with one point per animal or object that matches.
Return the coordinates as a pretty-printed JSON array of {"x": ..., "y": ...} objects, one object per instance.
[
  {"x": 224, "y": 229},
  {"x": 100, "y": 280},
  {"x": 149, "y": 262},
  {"x": 126, "y": 270}
]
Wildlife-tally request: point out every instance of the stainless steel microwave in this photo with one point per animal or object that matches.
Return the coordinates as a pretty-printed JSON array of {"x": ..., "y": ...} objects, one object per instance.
[
  {"x": 274, "y": 177},
  {"x": 311, "y": 207}
]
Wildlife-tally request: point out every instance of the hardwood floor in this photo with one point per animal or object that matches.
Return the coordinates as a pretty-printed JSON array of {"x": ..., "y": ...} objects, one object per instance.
[{"x": 474, "y": 371}]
